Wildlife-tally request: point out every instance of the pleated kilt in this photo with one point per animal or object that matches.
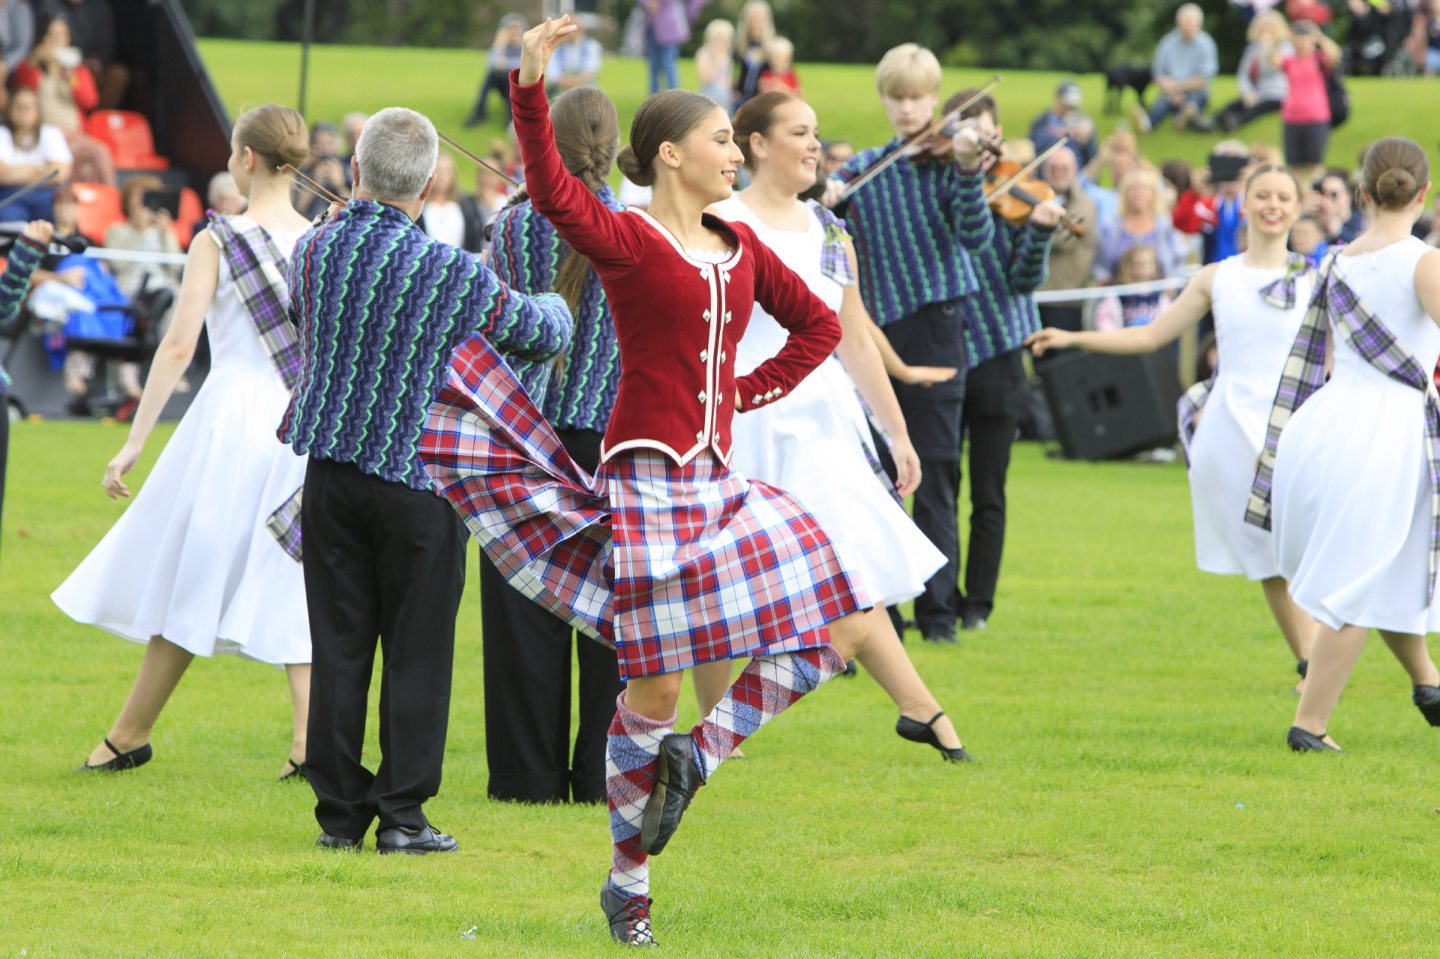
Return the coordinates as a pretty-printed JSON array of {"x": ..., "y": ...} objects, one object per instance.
[{"x": 672, "y": 565}]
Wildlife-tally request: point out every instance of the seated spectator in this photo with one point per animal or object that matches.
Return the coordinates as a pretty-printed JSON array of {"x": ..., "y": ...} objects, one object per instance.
[
  {"x": 221, "y": 196},
  {"x": 1262, "y": 83},
  {"x": 754, "y": 29},
  {"x": 1184, "y": 64},
  {"x": 144, "y": 229},
  {"x": 778, "y": 75},
  {"x": 1336, "y": 208},
  {"x": 352, "y": 124},
  {"x": 1117, "y": 156},
  {"x": 441, "y": 217},
  {"x": 1305, "y": 111},
  {"x": 1059, "y": 121},
  {"x": 1138, "y": 264},
  {"x": 714, "y": 63},
  {"x": 576, "y": 62},
  {"x": 1072, "y": 258},
  {"x": 1307, "y": 238},
  {"x": 1142, "y": 218},
  {"x": 17, "y": 33},
  {"x": 325, "y": 168},
  {"x": 67, "y": 93},
  {"x": 29, "y": 150},
  {"x": 837, "y": 153},
  {"x": 92, "y": 25},
  {"x": 504, "y": 56},
  {"x": 1081, "y": 131},
  {"x": 1424, "y": 39}
]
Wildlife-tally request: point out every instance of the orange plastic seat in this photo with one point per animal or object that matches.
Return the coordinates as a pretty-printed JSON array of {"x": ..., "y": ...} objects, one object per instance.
[
  {"x": 99, "y": 209},
  {"x": 192, "y": 211},
  {"x": 127, "y": 134}
]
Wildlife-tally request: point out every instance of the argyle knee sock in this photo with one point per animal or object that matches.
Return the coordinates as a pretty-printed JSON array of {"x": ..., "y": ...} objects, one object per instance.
[
  {"x": 630, "y": 751},
  {"x": 763, "y": 690}
]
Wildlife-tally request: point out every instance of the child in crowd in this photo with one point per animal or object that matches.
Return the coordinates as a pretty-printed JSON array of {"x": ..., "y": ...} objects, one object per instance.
[
  {"x": 836, "y": 154},
  {"x": 1138, "y": 264},
  {"x": 1307, "y": 238},
  {"x": 779, "y": 73},
  {"x": 715, "y": 63}
]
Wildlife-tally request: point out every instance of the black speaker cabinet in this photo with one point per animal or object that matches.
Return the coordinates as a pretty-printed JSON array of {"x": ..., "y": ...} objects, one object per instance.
[{"x": 1111, "y": 406}]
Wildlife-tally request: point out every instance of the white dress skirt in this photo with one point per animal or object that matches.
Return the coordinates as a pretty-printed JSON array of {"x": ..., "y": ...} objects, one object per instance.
[
  {"x": 1351, "y": 500},
  {"x": 190, "y": 559},
  {"x": 1254, "y": 340},
  {"x": 813, "y": 443}
]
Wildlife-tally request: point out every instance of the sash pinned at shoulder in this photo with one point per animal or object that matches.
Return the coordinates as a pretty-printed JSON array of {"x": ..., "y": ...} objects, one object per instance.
[{"x": 1359, "y": 328}]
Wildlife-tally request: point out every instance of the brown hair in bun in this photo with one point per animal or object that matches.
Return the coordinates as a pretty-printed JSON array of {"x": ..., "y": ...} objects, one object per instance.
[
  {"x": 666, "y": 117},
  {"x": 1396, "y": 169},
  {"x": 276, "y": 134}
]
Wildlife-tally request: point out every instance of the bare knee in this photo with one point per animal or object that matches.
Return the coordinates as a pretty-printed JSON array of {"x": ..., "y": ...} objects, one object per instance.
[
  {"x": 654, "y": 697},
  {"x": 849, "y": 634}
]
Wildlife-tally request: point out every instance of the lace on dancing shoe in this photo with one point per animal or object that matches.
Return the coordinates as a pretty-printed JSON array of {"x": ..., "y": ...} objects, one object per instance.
[
  {"x": 629, "y": 917},
  {"x": 918, "y": 732}
]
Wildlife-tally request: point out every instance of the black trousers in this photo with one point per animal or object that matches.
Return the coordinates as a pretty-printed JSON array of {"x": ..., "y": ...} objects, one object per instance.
[
  {"x": 499, "y": 81},
  {"x": 1237, "y": 114},
  {"x": 993, "y": 394},
  {"x": 934, "y": 336},
  {"x": 382, "y": 561},
  {"x": 527, "y": 687},
  {"x": 4, "y": 450}
]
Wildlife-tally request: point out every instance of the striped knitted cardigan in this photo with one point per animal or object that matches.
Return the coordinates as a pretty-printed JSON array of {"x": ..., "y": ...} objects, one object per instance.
[
  {"x": 914, "y": 226},
  {"x": 380, "y": 307},
  {"x": 25, "y": 256},
  {"x": 526, "y": 254},
  {"x": 1000, "y": 312}
]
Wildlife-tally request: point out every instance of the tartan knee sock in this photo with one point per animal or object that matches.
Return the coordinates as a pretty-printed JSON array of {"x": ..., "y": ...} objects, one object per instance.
[
  {"x": 630, "y": 751},
  {"x": 762, "y": 691}
]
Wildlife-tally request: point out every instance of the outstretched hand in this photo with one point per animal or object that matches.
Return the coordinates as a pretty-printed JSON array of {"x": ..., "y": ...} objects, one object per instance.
[
  {"x": 539, "y": 45},
  {"x": 1049, "y": 338},
  {"x": 41, "y": 231}
]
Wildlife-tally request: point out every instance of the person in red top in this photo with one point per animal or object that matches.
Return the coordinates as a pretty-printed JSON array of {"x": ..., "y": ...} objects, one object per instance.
[
  {"x": 67, "y": 93},
  {"x": 1305, "y": 111},
  {"x": 704, "y": 565},
  {"x": 779, "y": 75}
]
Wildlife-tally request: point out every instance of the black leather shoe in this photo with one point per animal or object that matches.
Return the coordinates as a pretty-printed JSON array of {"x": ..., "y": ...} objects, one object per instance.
[
  {"x": 629, "y": 917},
  {"x": 1302, "y": 666},
  {"x": 415, "y": 842},
  {"x": 1304, "y": 741},
  {"x": 1427, "y": 700},
  {"x": 339, "y": 843},
  {"x": 135, "y": 757},
  {"x": 918, "y": 732},
  {"x": 676, "y": 779}
]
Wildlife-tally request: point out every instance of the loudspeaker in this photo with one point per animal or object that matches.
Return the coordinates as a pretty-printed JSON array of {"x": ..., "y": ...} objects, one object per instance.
[{"x": 1111, "y": 406}]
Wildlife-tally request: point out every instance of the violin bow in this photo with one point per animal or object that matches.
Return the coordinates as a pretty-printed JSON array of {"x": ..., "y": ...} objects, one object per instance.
[
  {"x": 30, "y": 187},
  {"x": 1027, "y": 169},
  {"x": 310, "y": 185},
  {"x": 932, "y": 128},
  {"x": 470, "y": 156}
]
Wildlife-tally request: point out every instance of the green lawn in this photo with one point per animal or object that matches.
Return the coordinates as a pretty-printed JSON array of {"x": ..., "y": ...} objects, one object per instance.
[
  {"x": 1135, "y": 797},
  {"x": 443, "y": 83}
]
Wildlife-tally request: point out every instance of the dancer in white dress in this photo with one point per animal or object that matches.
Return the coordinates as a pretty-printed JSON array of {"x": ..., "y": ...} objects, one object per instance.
[
  {"x": 190, "y": 569},
  {"x": 1354, "y": 465},
  {"x": 815, "y": 443},
  {"x": 1258, "y": 299}
]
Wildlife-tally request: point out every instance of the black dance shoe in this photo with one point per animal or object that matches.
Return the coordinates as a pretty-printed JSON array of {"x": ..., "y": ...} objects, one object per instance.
[
  {"x": 414, "y": 842},
  {"x": 1427, "y": 700},
  {"x": 339, "y": 843},
  {"x": 629, "y": 917},
  {"x": 676, "y": 779},
  {"x": 918, "y": 732},
  {"x": 296, "y": 771},
  {"x": 1302, "y": 666},
  {"x": 135, "y": 757},
  {"x": 1304, "y": 741},
  {"x": 850, "y": 670}
]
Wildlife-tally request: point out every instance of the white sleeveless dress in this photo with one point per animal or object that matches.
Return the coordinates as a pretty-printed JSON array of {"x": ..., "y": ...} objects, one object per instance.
[
  {"x": 1351, "y": 502},
  {"x": 1254, "y": 340},
  {"x": 190, "y": 559},
  {"x": 812, "y": 443}
]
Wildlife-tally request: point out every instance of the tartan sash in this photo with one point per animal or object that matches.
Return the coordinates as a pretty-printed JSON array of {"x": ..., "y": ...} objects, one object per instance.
[
  {"x": 834, "y": 263},
  {"x": 260, "y": 281},
  {"x": 284, "y": 525},
  {"x": 1354, "y": 324},
  {"x": 1279, "y": 293}
]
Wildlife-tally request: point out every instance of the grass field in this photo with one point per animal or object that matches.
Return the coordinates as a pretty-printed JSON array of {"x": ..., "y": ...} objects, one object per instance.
[
  {"x": 1134, "y": 797},
  {"x": 442, "y": 84}
]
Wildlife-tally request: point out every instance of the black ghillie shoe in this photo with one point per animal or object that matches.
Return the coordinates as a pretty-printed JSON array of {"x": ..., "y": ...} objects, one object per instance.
[
  {"x": 1304, "y": 741},
  {"x": 1427, "y": 700},
  {"x": 296, "y": 771},
  {"x": 135, "y": 757},
  {"x": 629, "y": 917},
  {"x": 676, "y": 779},
  {"x": 918, "y": 732},
  {"x": 1302, "y": 666}
]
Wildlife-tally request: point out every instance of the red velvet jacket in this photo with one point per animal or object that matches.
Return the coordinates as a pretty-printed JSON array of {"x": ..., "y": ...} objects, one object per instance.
[{"x": 677, "y": 319}]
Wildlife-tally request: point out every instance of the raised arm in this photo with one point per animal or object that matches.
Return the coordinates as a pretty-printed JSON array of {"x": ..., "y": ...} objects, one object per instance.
[
  {"x": 587, "y": 224},
  {"x": 1185, "y": 312},
  {"x": 814, "y": 331},
  {"x": 202, "y": 272}
]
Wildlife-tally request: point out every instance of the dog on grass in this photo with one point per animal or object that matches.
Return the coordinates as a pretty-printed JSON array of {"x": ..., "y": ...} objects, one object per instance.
[{"x": 1137, "y": 77}]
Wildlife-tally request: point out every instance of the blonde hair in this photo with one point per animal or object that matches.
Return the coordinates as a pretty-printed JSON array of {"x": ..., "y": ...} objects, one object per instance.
[
  {"x": 1146, "y": 177},
  {"x": 1270, "y": 18},
  {"x": 276, "y": 134},
  {"x": 720, "y": 31},
  {"x": 779, "y": 46},
  {"x": 908, "y": 68},
  {"x": 1125, "y": 269},
  {"x": 742, "y": 26}
]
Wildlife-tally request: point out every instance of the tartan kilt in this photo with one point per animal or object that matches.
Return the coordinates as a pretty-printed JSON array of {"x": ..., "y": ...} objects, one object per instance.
[{"x": 672, "y": 565}]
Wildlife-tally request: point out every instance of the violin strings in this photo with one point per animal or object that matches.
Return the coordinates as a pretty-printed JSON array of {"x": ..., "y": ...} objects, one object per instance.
[
  {"x": 472, "y": 157},
  {"x": 313, "y": 186}
]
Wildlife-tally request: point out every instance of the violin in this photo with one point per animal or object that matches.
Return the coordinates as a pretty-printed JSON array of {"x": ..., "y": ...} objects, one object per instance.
[
  {"x": 1013, "y": 193},
  {"x": 939, "y": 147}
]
